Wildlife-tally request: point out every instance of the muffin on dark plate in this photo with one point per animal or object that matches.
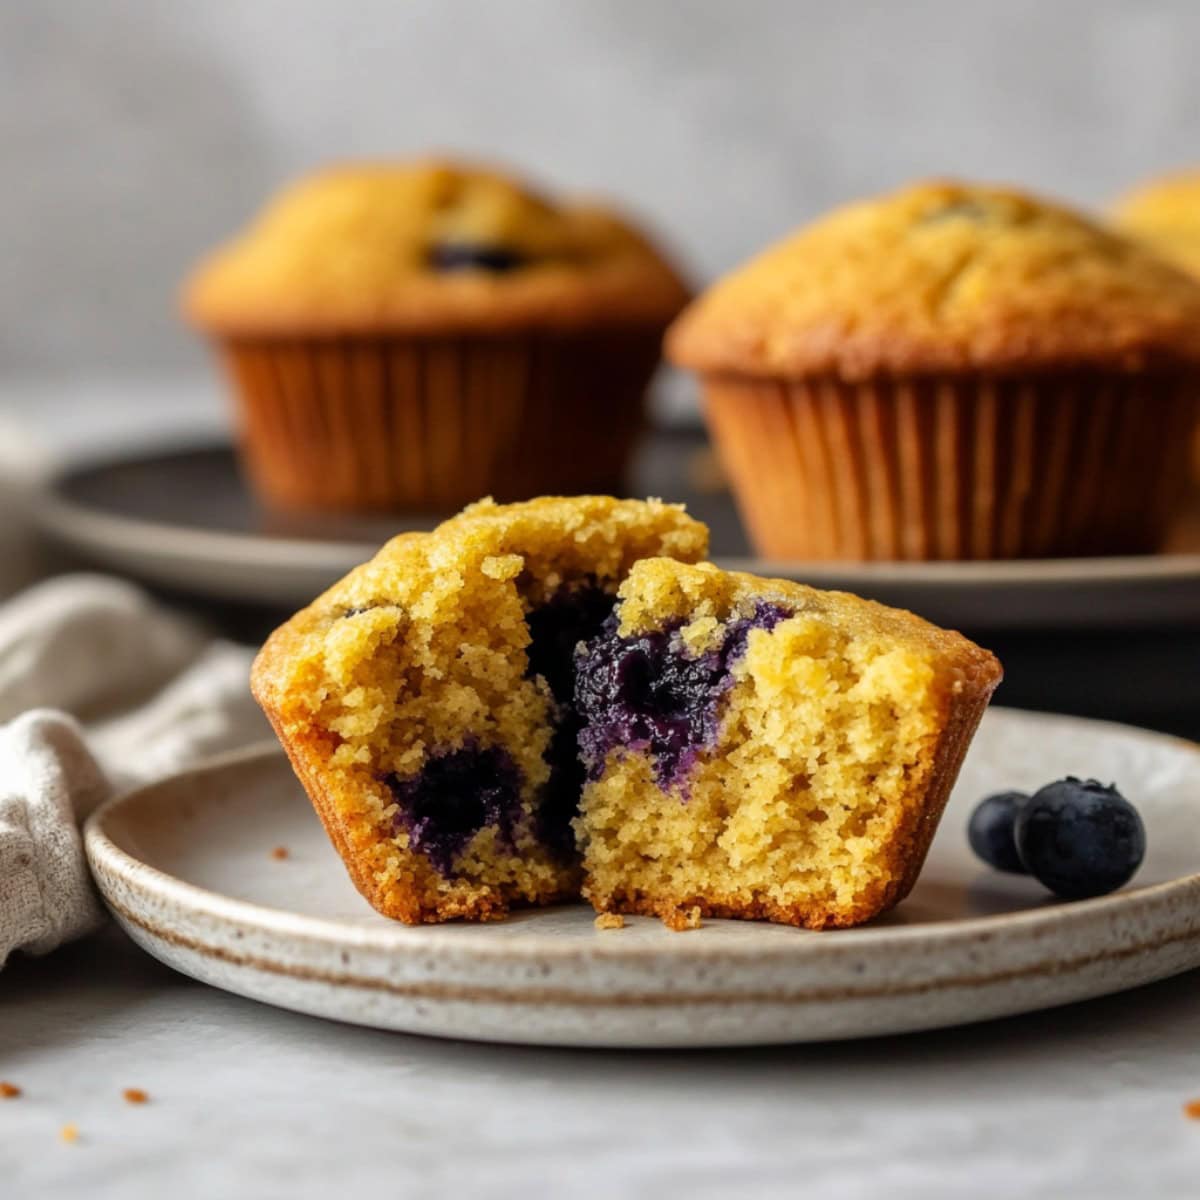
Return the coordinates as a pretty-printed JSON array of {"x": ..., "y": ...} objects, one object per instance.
[
  {"x": 950, "y": 372},
  {"x": 415, "y": 335}
]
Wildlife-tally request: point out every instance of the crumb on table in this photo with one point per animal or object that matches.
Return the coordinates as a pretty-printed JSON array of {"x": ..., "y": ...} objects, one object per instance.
[
  {"x": 8, "y": 1091},
  {"x": 280, "y": 852},
  {"x": 1192, "y": 1109},
  {"x": 135, "y": 1095},
  {"x": 609, "y": 921},
  {"x": 69, "y": 1133}
]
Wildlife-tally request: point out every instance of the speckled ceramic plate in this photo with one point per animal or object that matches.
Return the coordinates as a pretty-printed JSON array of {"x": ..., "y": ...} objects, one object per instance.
[{"x": 187, "y": 867}]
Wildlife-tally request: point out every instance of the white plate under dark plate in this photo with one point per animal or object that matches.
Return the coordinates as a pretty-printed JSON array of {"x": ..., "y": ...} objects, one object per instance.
[
  {"x": 184, "y": 520},
  {"x": 186, "y": 867}
]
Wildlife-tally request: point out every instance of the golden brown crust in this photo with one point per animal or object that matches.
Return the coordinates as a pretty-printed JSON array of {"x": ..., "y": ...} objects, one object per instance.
[
  {"x": 346, "y": 252},
  {"x": 943, "y": 277}
]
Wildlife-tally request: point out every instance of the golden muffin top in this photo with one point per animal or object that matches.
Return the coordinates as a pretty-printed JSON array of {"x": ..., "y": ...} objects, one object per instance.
[
  {"x": 1165, "y": 214},
  {"x": 463, "y": 564},
  {"x": 429, "y": 246},
  {"x": 943, "y": 277}
]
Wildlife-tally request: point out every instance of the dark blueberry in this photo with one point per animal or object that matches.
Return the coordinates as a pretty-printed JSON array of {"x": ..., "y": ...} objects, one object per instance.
[
  {"x": 991, "y": 831},
  {"x": 558, "y": 804},
  {"x": 647, "y": 693},
  {"x": 453, "y": 797},
  {"x": 557, "y": 627},
  {"x": 474, "y": 256},
  {"x": 1080, "y": 838}
]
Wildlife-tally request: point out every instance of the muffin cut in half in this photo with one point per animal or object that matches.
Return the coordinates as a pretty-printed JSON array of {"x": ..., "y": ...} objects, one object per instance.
[
  {"x": 757, "y": 748},
  {"x": 741, "y": 747},
  {"x": 425, "y": 699}
]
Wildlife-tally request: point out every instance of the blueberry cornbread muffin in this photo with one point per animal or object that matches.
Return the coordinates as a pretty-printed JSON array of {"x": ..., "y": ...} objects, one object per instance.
[
  {"x": 742, "y": 747},
  {"x": 757, "y": 748},
  {"x": 950, "y": 372},
  {"x": 1165, "y": 214},
  {"x": 426, "y": 700},
  {"x": 414, "y": 335}
]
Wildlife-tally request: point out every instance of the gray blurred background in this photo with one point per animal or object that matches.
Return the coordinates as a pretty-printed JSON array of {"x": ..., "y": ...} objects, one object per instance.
[{"x": 135, "y": 133}]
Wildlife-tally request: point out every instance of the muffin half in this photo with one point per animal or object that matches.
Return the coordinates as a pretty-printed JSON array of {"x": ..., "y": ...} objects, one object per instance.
[
  {"x": 426, "y": 700},
  {"x": 950, "y": 372},
  {"x": 415, "y": 335},
  {"x": 760, "y": 749}
]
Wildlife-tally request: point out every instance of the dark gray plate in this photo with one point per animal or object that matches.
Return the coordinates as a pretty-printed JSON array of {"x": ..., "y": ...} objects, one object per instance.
[{"x": 184, "y": 519}]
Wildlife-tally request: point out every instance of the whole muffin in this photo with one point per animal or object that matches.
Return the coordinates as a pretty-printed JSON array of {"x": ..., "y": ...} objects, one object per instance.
[
  {"x": 1165, "y": 213},
  {"x": 415, "y": 335},
  {"x": 950, "y": 372}
]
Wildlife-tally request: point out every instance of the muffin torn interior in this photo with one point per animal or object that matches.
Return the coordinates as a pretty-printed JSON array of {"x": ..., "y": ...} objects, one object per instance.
[
  {"x": 426, "y": 701},
  {"x": 759, "y": 749}
]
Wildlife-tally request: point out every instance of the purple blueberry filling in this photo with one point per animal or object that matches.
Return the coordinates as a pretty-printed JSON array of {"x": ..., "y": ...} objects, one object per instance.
[
  {"x": 453, "y": 797},
  {"x": 647, "y": 693},
  {"x": 474, "y": 256},
  {"x": 556, "y": 629}
]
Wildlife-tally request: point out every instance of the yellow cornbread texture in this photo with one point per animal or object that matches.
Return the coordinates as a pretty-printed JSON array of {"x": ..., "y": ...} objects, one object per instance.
[
  {"x": 838, "y": 744},
  {"x": 347, "y": 250},
  {"x": 943, "y": 277},
  {"x": 1165, "y": 214},
  {"x": 423, "y": 649}
]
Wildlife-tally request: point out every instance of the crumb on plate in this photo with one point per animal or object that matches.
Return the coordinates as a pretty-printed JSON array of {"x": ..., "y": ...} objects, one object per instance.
[
  {"x": 69, "y": 1133},
  {"x": 1192, "y": 1109},
  {"x": 609, "y": 921},
  {"x": 280, "y": 852},
  {"x": 680, "y": 919},
  {"x": 8, "y": 1091},
  {"x": 135, "y": 1095}
]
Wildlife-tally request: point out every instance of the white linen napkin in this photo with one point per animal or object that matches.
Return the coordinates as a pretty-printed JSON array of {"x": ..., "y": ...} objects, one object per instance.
[{"x": 100, "y": 690}]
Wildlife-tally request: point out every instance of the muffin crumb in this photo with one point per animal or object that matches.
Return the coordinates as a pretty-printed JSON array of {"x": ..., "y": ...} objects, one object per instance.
[
  {"x": 69, "y": 1132},
  {"x": 1192, "y": 1110},
  {"x": 608, "y": 920},
  {"x": 8, "y": 1091},
  {"x": 136, "y": 1095},
  {"x": 280, "y": 853}
]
